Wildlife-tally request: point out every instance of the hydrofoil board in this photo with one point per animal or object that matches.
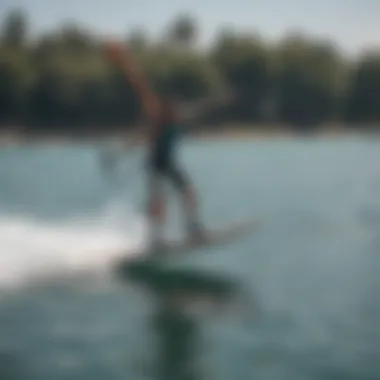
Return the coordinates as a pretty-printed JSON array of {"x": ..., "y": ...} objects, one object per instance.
[{"x": 213, "y": 237}]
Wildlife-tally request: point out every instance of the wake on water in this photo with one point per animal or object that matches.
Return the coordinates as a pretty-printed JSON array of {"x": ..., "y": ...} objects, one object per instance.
[{"x": 36, "y": 250}]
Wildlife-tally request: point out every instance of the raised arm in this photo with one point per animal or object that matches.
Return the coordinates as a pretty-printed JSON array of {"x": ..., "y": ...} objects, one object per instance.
[
  {"x": 194, "y": 110},
  {"x": 122, "y": 58}
]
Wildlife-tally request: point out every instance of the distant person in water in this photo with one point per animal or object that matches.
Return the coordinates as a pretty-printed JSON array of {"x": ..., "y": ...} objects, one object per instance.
[{"x": 167, "y": 119}]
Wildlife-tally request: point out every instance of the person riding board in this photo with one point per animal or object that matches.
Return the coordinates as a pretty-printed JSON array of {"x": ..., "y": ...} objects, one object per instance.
[{"x": 166, "y": 118}]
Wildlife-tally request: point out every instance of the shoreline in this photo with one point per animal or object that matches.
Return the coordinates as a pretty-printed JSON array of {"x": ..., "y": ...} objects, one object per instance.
[{"x": 15, "y": 138}]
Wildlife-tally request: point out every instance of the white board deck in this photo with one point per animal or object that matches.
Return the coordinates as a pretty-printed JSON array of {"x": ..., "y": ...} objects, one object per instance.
[{"x": 214, "y": 237}]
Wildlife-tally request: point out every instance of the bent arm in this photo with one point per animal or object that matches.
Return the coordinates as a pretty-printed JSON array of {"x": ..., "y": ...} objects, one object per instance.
[{"x": 194, "y": 110}]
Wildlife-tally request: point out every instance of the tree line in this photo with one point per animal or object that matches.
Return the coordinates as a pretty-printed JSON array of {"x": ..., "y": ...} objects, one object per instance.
[{"x": 62, "y": 80}]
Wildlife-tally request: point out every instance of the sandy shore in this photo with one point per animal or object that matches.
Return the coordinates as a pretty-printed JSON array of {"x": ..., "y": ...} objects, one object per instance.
[{"x": 229, "y": 133}]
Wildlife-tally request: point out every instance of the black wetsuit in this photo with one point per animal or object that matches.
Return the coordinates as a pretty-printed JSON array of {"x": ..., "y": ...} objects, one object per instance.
[{"x": 162, "y": 158}]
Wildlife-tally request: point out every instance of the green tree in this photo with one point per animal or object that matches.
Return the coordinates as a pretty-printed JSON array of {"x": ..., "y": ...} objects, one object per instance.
[
  {"x": 190, "y": 78},
  {"x": 183, "y": 32},
  {"x": 64, "y": 81},
  {"x": 244, "y": 62},
  {"x": 309, "y": 80},
  {"x": 138, "y": 40},
  {"x": 363, "y": 100},
  {"x": 15, "y": 80},
  {"x": 14, "y": 29}
]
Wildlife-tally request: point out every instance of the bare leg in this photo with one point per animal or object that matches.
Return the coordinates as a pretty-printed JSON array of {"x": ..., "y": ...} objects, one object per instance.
[
  {"x": 190, "y": 204},
  {"x": 155, "y": 212}
]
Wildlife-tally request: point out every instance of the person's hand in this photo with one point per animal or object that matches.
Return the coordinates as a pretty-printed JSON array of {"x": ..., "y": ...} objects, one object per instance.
[
  {"x": 118, "y": 53},
  {"x": 227, "y": 97}
]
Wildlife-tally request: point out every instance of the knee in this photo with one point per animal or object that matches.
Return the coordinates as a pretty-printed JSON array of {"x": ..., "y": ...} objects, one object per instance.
[
  {"x": 181, "y": 182},
  {"x": 156, "y": 207}
]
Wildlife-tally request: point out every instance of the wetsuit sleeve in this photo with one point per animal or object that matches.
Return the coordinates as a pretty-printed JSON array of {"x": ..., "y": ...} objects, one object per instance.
[{"x": 187, "y": 114}]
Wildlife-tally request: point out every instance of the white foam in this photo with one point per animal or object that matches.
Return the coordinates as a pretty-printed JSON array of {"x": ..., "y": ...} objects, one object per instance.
[{"x": 32, "y": 249}]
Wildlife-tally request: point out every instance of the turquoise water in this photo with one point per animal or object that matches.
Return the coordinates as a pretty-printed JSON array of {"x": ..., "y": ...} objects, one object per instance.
[{"x": 313, "y": 263}]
